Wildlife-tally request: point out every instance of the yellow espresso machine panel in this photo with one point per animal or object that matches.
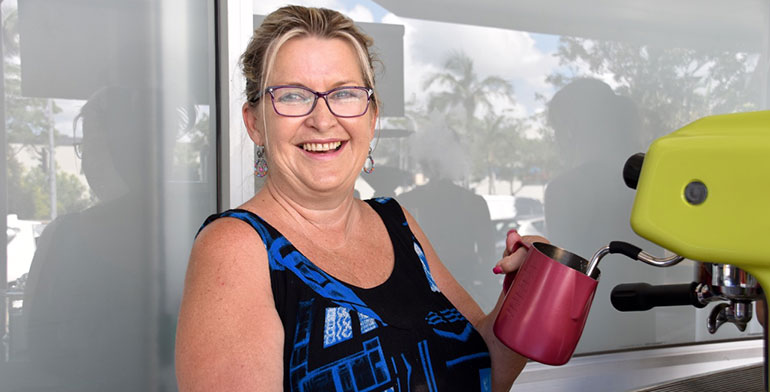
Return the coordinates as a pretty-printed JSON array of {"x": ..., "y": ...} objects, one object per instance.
[{"x": 704, "y": 191}]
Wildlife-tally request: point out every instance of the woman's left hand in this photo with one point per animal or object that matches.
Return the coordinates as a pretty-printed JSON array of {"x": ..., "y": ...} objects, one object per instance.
[{"x": 506, "y": 364}]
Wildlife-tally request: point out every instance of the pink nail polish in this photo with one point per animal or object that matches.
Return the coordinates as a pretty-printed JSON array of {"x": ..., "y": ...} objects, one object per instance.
[{"x": 498, "y": 270}]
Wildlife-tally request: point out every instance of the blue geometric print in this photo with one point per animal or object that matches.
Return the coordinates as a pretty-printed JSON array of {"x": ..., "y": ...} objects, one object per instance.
[
  {"x": 321, "y": 282},
  {"x": 462, "y": 336},
  {"x": 466, "y": 358},
  {"x": 449, "y": 316},
  {"x": 485, "y": 375},
  {"x": 337, "y": 326},
  {"x": 434, "y": 319},
  {"x": 367, "y": 323},
  {"x": 335, "y": 341},
  {"x": 395, "y": 370},
  {"x": 298, "y": 360},
  {"x": 452, "y": 315},
  {"x": 363, "y": 371},
  {"x": 408, "y": 370},
  {"x": 427, "y": 366},
  {"x": 425, "y": 267},
  {"x": 382, "y": 200}
]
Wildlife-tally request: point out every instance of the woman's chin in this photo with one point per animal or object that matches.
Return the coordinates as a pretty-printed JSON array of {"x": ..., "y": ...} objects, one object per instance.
[{"x": 329, "y": 181}]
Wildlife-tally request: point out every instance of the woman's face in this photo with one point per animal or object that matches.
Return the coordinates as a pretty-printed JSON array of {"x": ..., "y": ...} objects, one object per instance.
[{"x": 318, "y": 152}]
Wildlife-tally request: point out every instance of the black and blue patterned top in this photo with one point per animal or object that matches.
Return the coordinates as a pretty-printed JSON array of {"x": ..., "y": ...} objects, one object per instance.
[{"x": 403, "y": 335}]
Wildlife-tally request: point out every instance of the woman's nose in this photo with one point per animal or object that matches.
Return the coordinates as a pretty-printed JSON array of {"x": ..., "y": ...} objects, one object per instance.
[{"x": 321, "y": 117}]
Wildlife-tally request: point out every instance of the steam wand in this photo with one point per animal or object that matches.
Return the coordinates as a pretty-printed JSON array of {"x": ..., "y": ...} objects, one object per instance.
[{"x": 633, "y": 252}]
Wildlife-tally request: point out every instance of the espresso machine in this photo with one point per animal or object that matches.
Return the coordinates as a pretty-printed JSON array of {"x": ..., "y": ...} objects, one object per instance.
[{"x": 703, "y": 193}]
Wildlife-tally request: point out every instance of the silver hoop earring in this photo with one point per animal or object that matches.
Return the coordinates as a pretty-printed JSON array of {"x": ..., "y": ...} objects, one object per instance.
[
  {"x": 260, "y": 165},
  {"x": 369, "y": 164}
]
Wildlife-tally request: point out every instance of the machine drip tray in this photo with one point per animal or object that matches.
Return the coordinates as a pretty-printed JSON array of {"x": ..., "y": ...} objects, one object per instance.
[{"x": 745, "y": 379}]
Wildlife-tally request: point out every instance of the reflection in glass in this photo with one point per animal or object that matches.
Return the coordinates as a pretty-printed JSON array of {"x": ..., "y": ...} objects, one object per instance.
[
  {"x": 539, "y": 125},
  {"x": 108, "y": 161}
]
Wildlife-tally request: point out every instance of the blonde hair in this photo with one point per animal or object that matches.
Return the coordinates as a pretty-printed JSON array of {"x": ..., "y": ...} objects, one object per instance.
[{"x": 295, "y": 21}]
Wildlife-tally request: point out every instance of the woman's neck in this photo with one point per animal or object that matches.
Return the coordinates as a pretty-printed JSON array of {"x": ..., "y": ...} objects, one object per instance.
[{"x": 326, "y": 220}]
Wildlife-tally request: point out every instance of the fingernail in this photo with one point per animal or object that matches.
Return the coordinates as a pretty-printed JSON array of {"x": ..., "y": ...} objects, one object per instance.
[
  {"x": 497, "y": 270},
  {"x": 511, "y": 231}
]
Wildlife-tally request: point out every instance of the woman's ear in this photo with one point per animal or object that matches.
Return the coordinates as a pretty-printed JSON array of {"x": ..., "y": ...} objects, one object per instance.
[{"x": 252, "y": 118}]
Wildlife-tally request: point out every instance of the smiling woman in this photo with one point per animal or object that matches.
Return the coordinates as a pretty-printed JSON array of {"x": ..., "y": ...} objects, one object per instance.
[
  {"x": 302, "y": 66},
  {"x": 304, "y": 286}
]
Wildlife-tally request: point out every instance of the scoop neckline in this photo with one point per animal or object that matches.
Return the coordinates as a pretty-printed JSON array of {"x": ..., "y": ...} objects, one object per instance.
[{"x": 379, "y": 286}]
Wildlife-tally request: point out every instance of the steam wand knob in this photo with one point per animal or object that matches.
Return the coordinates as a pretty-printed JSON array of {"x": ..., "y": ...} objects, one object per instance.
[{"x": 633, "y": 169}]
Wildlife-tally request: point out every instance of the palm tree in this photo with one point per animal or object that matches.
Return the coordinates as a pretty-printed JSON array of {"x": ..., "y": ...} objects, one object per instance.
[{"x": 464, "y": 89}]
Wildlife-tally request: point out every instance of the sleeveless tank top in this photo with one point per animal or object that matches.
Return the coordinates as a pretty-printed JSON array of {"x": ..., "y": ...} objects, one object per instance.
[{"x": 403, "y": 335}]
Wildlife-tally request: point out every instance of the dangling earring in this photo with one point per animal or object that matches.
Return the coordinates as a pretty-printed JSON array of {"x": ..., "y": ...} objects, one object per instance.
[
  {"x": 369, "y": 164},
  {"x": 260, "y": 165}
]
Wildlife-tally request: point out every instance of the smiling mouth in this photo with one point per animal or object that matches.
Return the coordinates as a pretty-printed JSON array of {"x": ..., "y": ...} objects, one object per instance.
[{"x": 321, "y": 147}]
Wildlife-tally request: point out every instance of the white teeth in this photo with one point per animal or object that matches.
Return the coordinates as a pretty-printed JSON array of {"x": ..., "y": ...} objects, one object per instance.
[{"x": 321, "y": 147}]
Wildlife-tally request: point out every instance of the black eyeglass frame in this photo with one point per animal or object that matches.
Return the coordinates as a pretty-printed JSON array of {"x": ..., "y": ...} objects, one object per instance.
[{"x": 271, "y": 89}]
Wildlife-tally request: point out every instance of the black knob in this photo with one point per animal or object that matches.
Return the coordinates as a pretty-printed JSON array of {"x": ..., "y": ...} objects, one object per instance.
[{"x": 632, "y": 170}]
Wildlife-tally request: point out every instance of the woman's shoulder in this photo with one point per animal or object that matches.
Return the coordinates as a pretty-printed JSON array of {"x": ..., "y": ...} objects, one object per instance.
[
  {"x": 228, "y": 310},
  {"x": 230, "y": 226},
  {"x": 239, "y": 214},
  {"x": 229, "y": 243}
]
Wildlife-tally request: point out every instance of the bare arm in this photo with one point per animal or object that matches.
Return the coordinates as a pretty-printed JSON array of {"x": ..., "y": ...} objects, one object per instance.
[
  {"x": 506, "y": 364},
  {"x": 229, "y": 336}
]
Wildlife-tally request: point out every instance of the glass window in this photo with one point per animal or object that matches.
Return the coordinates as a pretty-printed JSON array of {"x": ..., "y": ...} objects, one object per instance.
[
  {"x": 523, "y": 115},
  {"x": 108, "y": 171}
]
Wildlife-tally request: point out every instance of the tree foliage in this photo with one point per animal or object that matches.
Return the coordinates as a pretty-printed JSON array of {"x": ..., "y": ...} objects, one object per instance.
[
  {"x": 29, "y": 194},
  {"x": 28, "y": 123},
  {"x": 463, "y": 89},
  {"x": 28, "y": 119},
  {"x": 670, "y": 86},
  {"x": 493, "y": 137}
]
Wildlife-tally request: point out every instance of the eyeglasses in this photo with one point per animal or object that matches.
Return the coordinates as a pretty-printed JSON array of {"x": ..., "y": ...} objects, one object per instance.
[{"x": 298, "y": 101}]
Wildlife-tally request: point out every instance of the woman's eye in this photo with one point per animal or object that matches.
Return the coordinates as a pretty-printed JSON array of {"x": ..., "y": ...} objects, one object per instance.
[
  {"x": 346, "y": 94},
  {"x": 293, "y": 97}
]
